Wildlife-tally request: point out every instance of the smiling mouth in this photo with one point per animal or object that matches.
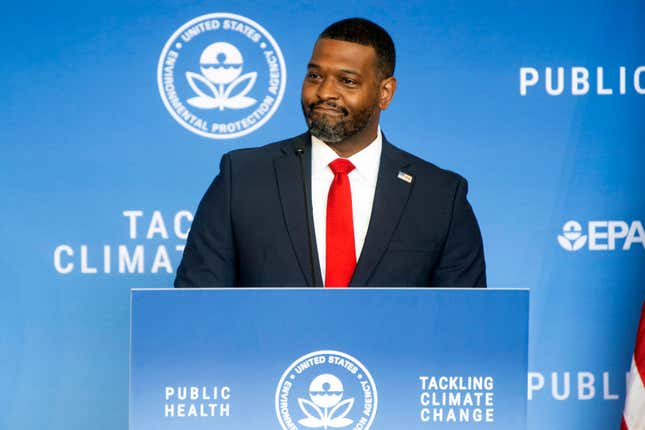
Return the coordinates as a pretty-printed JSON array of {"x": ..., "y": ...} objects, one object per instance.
[{"x": 328, "y": 110}]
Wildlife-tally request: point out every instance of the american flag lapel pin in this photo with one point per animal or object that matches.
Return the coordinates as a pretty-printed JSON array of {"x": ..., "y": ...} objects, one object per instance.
[{"x": 405, "y": 176}]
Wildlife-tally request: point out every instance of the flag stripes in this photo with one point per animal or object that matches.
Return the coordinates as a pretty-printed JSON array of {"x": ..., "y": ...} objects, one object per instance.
[{"x": 634, "y": 412}]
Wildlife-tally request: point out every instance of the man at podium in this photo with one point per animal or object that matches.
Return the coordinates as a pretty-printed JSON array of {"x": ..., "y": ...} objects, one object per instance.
[{"x": 339, "y": 205}]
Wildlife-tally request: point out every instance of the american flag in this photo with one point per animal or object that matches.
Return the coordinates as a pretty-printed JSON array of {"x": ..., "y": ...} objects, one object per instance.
[{"x": 634, "y": 412}]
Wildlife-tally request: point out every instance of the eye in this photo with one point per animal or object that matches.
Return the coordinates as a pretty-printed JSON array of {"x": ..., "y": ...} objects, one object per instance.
[
  {"x": 313, "y": 76},
  {"x": 349, "y": 82}
]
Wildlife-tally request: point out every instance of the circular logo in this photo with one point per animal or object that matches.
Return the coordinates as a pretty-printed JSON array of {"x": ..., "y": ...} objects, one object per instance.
[
  {"x": 572, "y": 238},
  {"x": 221, "y": 75},
  {"x": 326, "y": 389}
]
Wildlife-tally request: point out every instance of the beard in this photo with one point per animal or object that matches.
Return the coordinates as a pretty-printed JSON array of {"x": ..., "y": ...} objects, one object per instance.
[{"x": 336, "y": 129}]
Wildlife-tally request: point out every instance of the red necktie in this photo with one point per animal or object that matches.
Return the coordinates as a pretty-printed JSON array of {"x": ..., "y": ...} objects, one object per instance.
[{"x": 341, "y": 252}]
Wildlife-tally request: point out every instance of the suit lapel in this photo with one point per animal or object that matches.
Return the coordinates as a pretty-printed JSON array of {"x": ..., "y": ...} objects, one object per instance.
[
  {"x": 390, "y": 198},
  {"x": 289, "y": 179}
]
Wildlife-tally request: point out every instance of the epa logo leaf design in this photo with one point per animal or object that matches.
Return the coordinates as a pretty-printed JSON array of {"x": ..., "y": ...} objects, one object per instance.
[
  {"x": 324, "y": 417},
  {"x": 572, "y": 246},
  {"x": 212, "y": 97}
]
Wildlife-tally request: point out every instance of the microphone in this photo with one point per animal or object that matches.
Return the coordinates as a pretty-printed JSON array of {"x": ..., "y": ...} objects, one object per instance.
[{"x": 300, "y": 151}]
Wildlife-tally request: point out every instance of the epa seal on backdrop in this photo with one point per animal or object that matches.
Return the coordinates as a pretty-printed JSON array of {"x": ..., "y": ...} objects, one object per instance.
[
  {"x": 324, "y": 390},
  {"x": 221, "y": 75}
]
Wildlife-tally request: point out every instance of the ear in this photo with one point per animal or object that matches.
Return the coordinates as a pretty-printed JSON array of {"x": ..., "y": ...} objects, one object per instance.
[{"x": 387, "y": 87}]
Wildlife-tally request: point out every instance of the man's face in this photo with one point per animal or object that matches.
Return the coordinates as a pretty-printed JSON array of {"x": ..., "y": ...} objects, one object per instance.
[{"x": 340, "y": 93}]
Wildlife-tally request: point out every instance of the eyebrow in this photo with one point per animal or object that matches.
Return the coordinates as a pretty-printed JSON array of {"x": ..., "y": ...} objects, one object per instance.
[{"x": 348, "y": 71}]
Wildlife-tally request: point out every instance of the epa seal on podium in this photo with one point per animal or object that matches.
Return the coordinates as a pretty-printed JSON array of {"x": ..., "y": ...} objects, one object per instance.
[
  {"x": 221, "y": 75},
  {"x": 324, "y": 390}
]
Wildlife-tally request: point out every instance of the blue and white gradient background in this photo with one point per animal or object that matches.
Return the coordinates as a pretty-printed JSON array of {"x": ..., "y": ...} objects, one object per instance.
[
  {"x": 85, "y": 136},
  {"x": 247, "y": 339}
]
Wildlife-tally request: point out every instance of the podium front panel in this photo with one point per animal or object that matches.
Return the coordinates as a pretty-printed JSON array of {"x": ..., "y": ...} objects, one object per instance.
[{"x": 354, "y": 359}]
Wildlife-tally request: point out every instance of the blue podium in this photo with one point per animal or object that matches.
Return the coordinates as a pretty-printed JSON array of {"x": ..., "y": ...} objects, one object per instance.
[{"x": 354, "y": 359}]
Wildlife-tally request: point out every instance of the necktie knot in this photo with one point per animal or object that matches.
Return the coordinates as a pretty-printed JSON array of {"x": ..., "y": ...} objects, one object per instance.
[{"x": 341, "y": 165}]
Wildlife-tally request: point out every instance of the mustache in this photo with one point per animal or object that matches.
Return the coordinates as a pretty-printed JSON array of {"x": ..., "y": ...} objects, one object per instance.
[{"x": 328, "y": 105}]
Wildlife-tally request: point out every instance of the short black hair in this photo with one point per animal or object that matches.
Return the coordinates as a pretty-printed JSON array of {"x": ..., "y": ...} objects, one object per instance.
[{"x": 367, "y": 33}]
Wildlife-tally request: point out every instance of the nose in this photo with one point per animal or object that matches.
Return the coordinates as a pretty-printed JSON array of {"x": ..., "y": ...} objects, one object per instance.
[{"x": 326, "y": 90}]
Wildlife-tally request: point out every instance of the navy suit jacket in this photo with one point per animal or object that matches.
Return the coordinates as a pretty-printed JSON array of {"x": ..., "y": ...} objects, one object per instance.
[{"x": 250, "y": 229}]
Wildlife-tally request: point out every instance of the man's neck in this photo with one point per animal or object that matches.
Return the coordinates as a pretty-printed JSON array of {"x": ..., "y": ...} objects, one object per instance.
[{"x": 354, "y": 144}]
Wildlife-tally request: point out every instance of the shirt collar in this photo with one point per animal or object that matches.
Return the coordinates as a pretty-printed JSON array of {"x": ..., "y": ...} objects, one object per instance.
[{"x": 366, "y": 160}]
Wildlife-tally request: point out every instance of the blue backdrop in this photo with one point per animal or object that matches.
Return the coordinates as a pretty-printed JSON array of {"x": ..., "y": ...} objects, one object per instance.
[{"x": 99, "y": 180}]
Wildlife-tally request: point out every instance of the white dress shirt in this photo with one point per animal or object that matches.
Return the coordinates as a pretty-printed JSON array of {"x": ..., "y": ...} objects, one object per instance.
[{"x": 362, "y": 181}]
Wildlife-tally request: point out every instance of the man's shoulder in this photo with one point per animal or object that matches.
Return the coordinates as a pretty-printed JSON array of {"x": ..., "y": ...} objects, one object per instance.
[{"x": 422, "y": 169}]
